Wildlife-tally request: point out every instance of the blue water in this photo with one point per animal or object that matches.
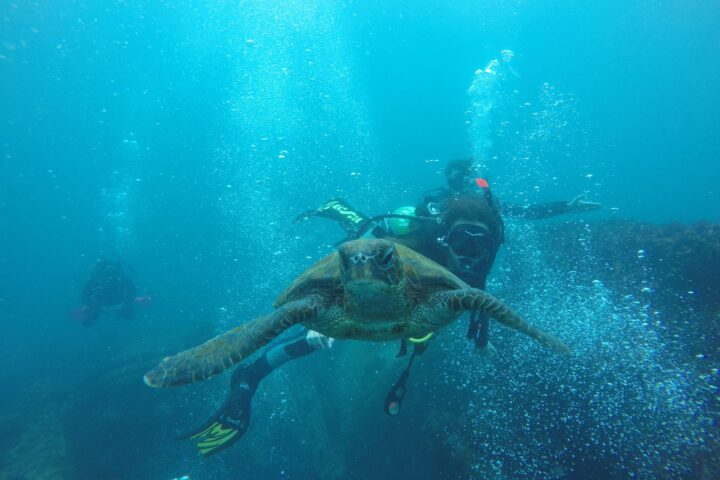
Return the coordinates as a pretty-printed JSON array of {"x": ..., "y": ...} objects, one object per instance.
[{"x": 186, "y": 136}]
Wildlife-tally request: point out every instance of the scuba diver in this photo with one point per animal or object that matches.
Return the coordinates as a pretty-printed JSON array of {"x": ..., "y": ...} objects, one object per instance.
[
  {"x": 108, "y": 288},
  {"x": 459, "y": 227}
]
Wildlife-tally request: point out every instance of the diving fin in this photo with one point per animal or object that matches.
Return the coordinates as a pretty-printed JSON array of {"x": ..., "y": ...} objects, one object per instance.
[
  {"x": 229, "y": 423},
  {"x": 216, "y": 437},
  {"x": 339, "y": 211}
]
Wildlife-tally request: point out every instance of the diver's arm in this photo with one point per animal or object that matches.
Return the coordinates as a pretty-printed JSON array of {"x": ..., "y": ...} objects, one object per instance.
[
  {"x": 534, "y": 212},
  {"x": 550, "y": 209}
]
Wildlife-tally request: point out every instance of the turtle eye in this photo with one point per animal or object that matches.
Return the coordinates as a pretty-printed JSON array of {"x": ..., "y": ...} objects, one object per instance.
[{"x": 385, "y": 260}]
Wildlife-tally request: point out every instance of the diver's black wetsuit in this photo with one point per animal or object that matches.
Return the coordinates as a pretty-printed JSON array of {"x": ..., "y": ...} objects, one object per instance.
[{"x": 433, "y": 201}]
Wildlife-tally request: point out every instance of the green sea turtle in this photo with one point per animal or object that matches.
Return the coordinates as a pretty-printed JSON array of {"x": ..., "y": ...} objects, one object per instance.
[{"x": 369, "y": 289}]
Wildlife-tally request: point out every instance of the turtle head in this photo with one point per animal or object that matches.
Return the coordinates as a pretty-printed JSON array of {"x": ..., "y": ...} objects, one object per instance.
[{"x": 371, "y": 270}]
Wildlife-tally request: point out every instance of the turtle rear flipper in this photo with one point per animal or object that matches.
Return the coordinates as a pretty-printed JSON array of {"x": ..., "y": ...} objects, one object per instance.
[
  {"x": 224, "y": 351},
  {"x": 468, "y": 299}
]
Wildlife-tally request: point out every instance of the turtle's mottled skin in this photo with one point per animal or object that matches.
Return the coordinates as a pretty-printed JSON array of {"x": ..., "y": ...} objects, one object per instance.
[{"x": 369, "y": 289}]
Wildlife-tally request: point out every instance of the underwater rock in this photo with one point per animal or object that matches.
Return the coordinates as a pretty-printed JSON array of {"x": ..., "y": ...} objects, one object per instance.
[
  {"x": 679, "y": 261},
  {"x": 328, "y": 458},
  {"x": 34, "y": 444},
  {"x": 671, "y": 268}
]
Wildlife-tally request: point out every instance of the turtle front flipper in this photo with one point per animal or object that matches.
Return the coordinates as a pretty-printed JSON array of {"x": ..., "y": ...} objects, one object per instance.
[
  {"x": 224, "y": 351},
  {"x": 469, "y": 299}
]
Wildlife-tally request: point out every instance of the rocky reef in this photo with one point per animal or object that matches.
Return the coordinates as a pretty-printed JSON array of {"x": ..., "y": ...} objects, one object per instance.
[
  {"x": 34, "y": 442},
  {"x": 680, "y": 261},
  {"x": 671, "y": 268}
]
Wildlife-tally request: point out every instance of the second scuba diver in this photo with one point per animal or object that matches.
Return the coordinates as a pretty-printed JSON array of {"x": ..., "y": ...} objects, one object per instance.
[{"x": 108, "y": 289}]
